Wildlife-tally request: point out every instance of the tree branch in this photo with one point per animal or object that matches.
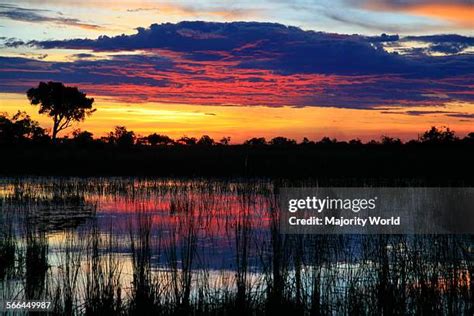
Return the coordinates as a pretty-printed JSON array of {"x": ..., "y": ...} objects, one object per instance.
[{"x": 65, "y": 125}]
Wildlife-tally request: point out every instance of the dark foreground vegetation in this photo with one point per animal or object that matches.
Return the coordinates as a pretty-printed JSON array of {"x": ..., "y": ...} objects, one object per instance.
[
  {"x": 26, "y": 148},
  {"x": 161, "y": 261}
]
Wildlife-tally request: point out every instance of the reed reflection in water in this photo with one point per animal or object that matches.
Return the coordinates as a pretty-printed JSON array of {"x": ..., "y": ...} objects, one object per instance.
[{"x": 210, "y": 247}]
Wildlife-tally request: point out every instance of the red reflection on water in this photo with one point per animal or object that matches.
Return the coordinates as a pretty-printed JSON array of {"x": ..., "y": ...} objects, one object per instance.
[{"x": 202, "y": 214}]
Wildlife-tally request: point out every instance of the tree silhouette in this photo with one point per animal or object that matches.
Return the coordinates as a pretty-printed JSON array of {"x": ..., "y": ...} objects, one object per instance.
[
  {"x": 355, "y": 142},
  {"x": 282, "y": 141},
  {"x": 121, "y": 137},
  {"x": 187, "y": 140},
  {"x": 225, "y": 140},
  {"x": 327, "y": 141},
  {"x": 387, "y": 140},
  {"x": 256, "y": 141},
  {"x": 306, "y": 141},
  {"x": 64, "y": 105},
  {"x": 205, "y": 140},
  {"x": 157, "y": 139},
  {"x": 438, "y": 135}
]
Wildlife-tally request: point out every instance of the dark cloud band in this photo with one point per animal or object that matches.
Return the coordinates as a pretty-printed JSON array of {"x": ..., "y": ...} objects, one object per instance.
[{"x": 244, "y": 63}]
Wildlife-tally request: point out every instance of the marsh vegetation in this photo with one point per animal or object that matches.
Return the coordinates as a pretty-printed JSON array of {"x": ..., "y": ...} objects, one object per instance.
[{"x": 118, "y": 246}]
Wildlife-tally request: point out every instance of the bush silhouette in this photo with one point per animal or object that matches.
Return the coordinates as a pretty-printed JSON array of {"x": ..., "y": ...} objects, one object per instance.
[{"x": 20, "y": 127}]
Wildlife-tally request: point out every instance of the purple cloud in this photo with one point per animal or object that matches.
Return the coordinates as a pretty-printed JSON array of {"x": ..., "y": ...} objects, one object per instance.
[{"x": 249, "y": 63}]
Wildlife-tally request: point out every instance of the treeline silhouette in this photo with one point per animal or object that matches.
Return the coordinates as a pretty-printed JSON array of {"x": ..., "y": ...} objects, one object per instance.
[
  {"x": 20, "y": 128},
  {"x": 438, "y": 155}
]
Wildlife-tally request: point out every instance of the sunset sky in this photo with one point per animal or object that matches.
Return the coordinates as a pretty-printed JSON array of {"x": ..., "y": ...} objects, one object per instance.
[{"x": 343, "y": 68}]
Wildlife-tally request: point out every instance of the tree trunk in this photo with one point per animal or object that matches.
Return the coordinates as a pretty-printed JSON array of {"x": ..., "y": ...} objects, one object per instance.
[{"x": 55, "y": 127}]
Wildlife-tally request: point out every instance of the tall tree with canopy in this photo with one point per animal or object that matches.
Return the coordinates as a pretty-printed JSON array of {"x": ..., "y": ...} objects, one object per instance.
[{"x": 63, "y": 104}]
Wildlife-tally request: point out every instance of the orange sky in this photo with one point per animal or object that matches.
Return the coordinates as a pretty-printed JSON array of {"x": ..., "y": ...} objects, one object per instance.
[
  {"x": 152, "y": 74},
  {"x": 460, "y": 14},
  {"x": 242, "y": 123}
]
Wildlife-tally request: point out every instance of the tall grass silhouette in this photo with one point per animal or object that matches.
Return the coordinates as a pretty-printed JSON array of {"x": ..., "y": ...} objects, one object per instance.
[{"x": 210, "y": 247}]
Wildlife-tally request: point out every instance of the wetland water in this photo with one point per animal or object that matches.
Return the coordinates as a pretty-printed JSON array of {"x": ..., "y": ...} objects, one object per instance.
[{"x": 175, "y": 246}]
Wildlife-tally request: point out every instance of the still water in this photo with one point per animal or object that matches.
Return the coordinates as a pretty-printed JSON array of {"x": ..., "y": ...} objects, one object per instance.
[{"x": 204, "y": 242}]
